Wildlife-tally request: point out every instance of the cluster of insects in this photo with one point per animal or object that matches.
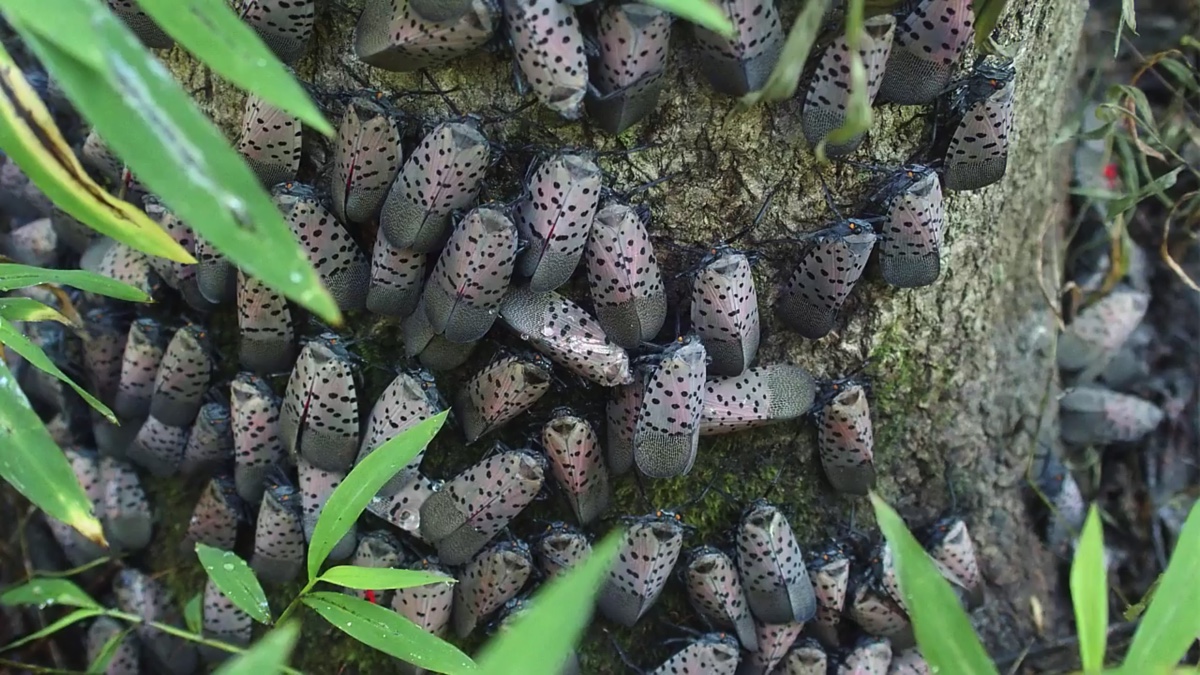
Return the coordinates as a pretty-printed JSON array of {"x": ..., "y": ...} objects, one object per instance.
[{"x": 448, "y": 269}]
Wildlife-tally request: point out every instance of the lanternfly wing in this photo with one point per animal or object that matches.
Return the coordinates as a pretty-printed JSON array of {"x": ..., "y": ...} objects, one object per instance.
[
  {"x": 408, "y": 400},
  {"x": 870, "y": 655},
  {"x": 341, "y": 263},
  {"x": 396, "y": 277},
  {"x": 774, "y": 641},
  {"x": 846, "y": 439},
  {"x": 627, "y": 74},
  {"x": 649, "y": 551},
  {"x": 427, "y": 606},
  {"x": 270, "y": 142},
  {"x": 316, "y": 485},
  {"x": 725, "y": 311},
  {"x": 366, "y": 158},
  {"x": 471, "y": 276},
  {"x": 210, "y": 444},
  {"x": 127, "y": 520},
  {"x": 267, "y": 343},
  {"x": 624, "y": 277},
  {"x": 493, "y": 578},
  {"x": 320, "y": 410},
  {"x": 949, "y": 544},
  {"x": 503, "y": 390},
  {"x": 806, "y": 657},
  {"x": 829, "y": 267},
  {"x": 560, "y": 548},
  {"x": 928, "y": 44},
  {"x": 829, "y": 570},
  {"x": 257, "y": 446},
  {"x": 711, "y": 654},
  {"x": 183, "y": 377},
  {"x": 141, "y": 24},
  {"x": 550, "y": 52},
  {"x": 279, "y": 532},
  {"x": 574, "y": 452},
  {"x": 144, "y": 349},
  {"x": 757, "y": 397},
  {"x": 668, "y": 426},
  {"x": 215, "y": 519},
  {"x": 772, "y": 567},
  {"x": 741, "y": 64},
  {"x": 911, "y": 234},
  {"x": 624, "y": 404},
  {"x": 391, "y": 36},
  {"x": 715, "y": 591},
  {"x": 978, "y": 151},
  {"x": 284, "y": 25},
  {"x": 1098, "y": 416},
  {"x": 555, "y": 219},
  {"x": 1099, "y": 331}
]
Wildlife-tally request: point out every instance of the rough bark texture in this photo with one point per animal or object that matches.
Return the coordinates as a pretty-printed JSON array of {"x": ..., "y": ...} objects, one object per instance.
[{"x": 958, "y": 382}]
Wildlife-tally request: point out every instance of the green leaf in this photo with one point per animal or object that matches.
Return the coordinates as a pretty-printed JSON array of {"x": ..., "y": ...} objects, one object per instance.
[
  {"x": 540, "y": 638},
  {"x": 152, "y": 124},
  {"x": 350, "y": 498},
  {"x": 1089, "y": 594},
  {"x": 14, "y": 340},
  {"x": 379, "y": 578},
  {"x": 785, "y": 77},
  {"x": 236, "y": 580},
  {"x": 45, "y": 592},
  {"x": 1128, "y": 18},
  {"x": 703, "y": 13},
  {"x": 13, "y": 276},
  {"x": 211, "y": 31},
  {"x": 65, "y": 22},
  {"x": 389, "y": 632},
  {"x": 1171, "y": 623},
  {"x": 987, "y": 15},
  {"x": 99, "y": 665},
  {"x": 28, "y": 309},
  {"x": 30, "y": 137},
  {"x": 74, "y": 617},
  {"x": 36, "y": 467},
  {"x": 268, "y": 655},
  {"x": 193, "y": 617},
  {"x": 858, "y": 108},
  {"x": 942, "y": 628}
]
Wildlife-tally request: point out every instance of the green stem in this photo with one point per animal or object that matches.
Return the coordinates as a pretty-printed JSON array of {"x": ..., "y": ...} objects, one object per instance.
[
  {"x": 296, "y": 601},
  {"x": 185, "y": 635},
  {"x": 31, "y": 668}
]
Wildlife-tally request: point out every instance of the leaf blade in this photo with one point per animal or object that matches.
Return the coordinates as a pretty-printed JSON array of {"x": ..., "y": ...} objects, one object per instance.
[
  {"x": 379, "y": 578},
  {"x": 703, "y": 13},
  {"x": 1089, "y": 594},
  {"x": 72, "y": 618},
  {"x": 28, "y": 309},
  {"x": 10, "y": 337},
  {"x": 14, "y": 276},
  {"x": 236, "y": 580},
  {"x": 44, "y": 592},
  {"x": 269, "y": 655},
  {"x": 1171, "y": 622},
  {"x": 785, "y": 76}
]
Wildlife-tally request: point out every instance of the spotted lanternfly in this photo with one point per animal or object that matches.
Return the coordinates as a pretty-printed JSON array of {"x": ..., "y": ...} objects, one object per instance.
[
  {"x": 316, "y": 484},
  {"x": 428, "y": 606},
  {"x": 829, "y": 93},
  {"x": 85, "y": 464},
  {"x": 126, "y": 265},
  {"x": 740, "y": 64},
  {"x": 910, "y": 236},
  {"x": 78, "y": 549},
  {"x": 909, "y": 662},
  {"x": 873, "y": 609},
  {"x": 574, "y": 451},
  {"x": 649, "y": 550},
  {"x": 564, "y": 331},
  {"x": 774, "y": 641},
  {"x": 1098, "y": 416},
  {"x": 757, "y": 397},
  {"x": 846, "y": 438},
  {"x": 560, "y": 548},
  {"x": 432, "y": 350},
  {"x": 378, "y": 549},
  {"x": 223, "y": 621},
  {"x": 159, "y": 447},
  {"x": 183, "y": 377},
  {"x": 366, "y": 157},
  {"x": 949, "y": 544},
  {"x": 509, "y": 616},
  {"x": 144, "y": 349},
  {"x": 928, "y": 44},
  {"x": 210, "y": 444},
  {"x": 284, "y": 25},
  {"x": 410, "y": 398},
  {"x": 1098, "y": 332},
  {"x": 442, "y": 175},
  {"x": 392, "y": 36},
  {"x": 725, "y": 311},
  {"x": 623, "y": 274},
  {"x": 171, "y": 272},
  {"x": 549, "y": 50},
  {"x": 668, "y": 423},
  {"x": 772, "y": 567},
  {"x": 870, "y": 656},
  {"x": 555, "y": 217},
  {"x": 71, "y": 231},
  {"x": 806, "y": 657},
  {"x": 396, "y": 277},
  {"x": 125, "y": 659},
  {"x": 269, "y": 141},
  {"x": 96, "y": 155},
  {"x": 216, "y": 516},
  {"x": 256, "y": 441},
  {"x": 142, "y": 25},
  {"x": 103, "y": 351},
  {"x": 279, "y": 532},
  {"x": 216, "y": 277},
  {"x": 140, "y": 594},
  {"x": 829, "y": 570},
  {"x": 978, "y": 152},
  {"x": 831, "y": 261},
  {"x": 127, "y": 520},
  {"x": 319, "y": 419},
  {"x": 34, "y": 243},
  {"x": 479, "y": 502},
  {"x": 715, "y": 591},
  {"x": 507, "y": 387},
  {"x": 471, "y": 276},
  {"x": 343, "y": 266},
  {"x": 710, "y": 654},
  {"x": 492, "y": 578},
  {"x": 624, "y": 404},
  {"x": 20, "y": 196},
  {"x": 403, "y": 508},
  {"x": 267, "y": 330},
  {"x": 627, "y": 74}
]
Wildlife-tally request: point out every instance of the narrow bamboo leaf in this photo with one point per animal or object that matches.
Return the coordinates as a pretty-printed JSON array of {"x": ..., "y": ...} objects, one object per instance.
[
  {"x": 99, "y": 665},
  {"x": 46, "y": 592},
  {"x": 785, "y": 77},
  {"x": 1171, "y": 622},
  {"x": 28, "y": 309},
  {"x": 351, "y": 497},
  {"x": 36, "y": 467},
  {"x": 268, "y": 655},
  {"x": 540, "y": 638},
  {"x": 236, "y": 580},
  {"x": 700, "y": 12},
  {"x": 942, "y": 628},
  {"x": 74, "y": 617},
  {"x": 858, "y": 108},
  {"x": 1089, "y": 594},
  {"x": 379, "y": 578},
  {"x": 67, "y": 23},
  {"x": 151, "y": 123},
  {"x": 193, "y": 616},
  {"x": 1128, "y": 18},
  {"x": 987, "y": 15},
  {"x": 389, "y": 632},
  {"x": 14, "y": 340},
  {"x": 30, "y": 137},
  {"x": 13, "y": 276},
  {"x": 211, "y": 31}
]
